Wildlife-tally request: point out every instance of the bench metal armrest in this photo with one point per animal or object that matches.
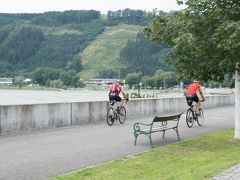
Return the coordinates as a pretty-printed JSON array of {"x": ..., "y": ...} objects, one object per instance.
[{"x": 138, "y": 126}]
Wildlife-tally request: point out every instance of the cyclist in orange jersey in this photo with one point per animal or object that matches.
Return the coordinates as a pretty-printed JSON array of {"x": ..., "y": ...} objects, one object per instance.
[{"x": 191, "y": 94}]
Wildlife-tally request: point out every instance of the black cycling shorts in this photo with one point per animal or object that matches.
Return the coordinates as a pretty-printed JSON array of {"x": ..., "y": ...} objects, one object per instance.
[
  {"x": 191, "y": 97},
  {"x": 116, "y": 98}
]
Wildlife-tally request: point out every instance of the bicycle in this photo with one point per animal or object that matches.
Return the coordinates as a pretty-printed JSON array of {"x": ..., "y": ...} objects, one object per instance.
[
  {"x": 191, "y": 115},
  {"x": 114, "y": 113}
]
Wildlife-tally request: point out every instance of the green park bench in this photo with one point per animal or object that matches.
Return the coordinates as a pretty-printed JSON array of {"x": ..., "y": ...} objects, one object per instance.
[{"x": 159, "y": 124}]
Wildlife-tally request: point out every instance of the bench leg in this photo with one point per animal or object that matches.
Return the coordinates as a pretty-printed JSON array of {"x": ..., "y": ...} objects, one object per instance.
[
  {"x": 135, "y": 141},
  {"x": 177, "y": 134},
  {"x": 150, "y": 138},
  {"x": 163, "y": 134}
]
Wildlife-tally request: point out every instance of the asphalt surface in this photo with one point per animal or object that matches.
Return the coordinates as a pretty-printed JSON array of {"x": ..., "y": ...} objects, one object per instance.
[
  {"x": 232, "y": 173},
  {"x": 41, "y": 155}
]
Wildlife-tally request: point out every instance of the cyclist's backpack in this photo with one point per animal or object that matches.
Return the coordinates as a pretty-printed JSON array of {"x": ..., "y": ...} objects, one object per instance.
[{"x": 114, "y": 90}]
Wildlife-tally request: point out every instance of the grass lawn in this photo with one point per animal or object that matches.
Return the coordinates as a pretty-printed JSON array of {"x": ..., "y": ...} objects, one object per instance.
[{"x": 199, "y": 158}]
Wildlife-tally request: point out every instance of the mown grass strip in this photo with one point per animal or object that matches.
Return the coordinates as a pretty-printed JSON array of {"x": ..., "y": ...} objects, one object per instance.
[{"x": 199, "y": 158}]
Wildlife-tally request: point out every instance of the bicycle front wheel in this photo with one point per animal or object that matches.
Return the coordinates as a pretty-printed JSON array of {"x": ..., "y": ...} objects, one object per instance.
[
  {"x": 190, "y": 118},
  {"x": 110, "y": 116},
  {"x": 122, "y": 115},
  {"x": 200, "y": 118}
]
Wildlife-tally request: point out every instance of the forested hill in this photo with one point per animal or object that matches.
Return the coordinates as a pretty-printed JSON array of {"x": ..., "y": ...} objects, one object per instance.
[
  {"x": 57, "y": 40},
  {"x": 45, "y": 40}
]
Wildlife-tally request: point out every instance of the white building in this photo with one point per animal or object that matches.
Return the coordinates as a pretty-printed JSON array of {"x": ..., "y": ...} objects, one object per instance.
[
  {"x": 6, "y": 81},
  {"x": 101, "y": 81}
]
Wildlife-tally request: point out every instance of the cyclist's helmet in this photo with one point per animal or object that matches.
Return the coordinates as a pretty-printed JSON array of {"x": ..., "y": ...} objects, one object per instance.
[
  {"x": 196, "y": 81},
  {"x": 120, "y": 82}
]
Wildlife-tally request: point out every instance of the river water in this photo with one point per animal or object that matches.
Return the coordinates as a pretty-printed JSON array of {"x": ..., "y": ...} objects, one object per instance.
[
  {"x": 13, "y": 97},
  {"x": 10, "y": 97}
]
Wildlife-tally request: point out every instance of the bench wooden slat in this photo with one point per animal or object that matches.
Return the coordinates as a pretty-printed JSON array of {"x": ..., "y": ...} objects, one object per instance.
[{"x": 166, "y": 118}]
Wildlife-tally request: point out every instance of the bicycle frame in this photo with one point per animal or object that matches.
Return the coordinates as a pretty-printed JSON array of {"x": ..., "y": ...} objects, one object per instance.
[
  {"x": 191, "y": 115},
  {"x": 193, "y": 105},
  {"x": 115, "y": 113}
]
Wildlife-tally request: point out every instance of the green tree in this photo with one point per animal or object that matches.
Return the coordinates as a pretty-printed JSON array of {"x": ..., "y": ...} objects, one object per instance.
[
  {"x": 147, "y": 55},
  {"x": 158, "y": 81},
  {"x": 19, "y": 81},
  {"x": 133, "y": 79},
  {"x": 80, "y": 83},
  {"x": 109, "y": 73},
  {"x": 169, "y": 79},
  {"x": 205, "y": 40},
  {"x": 57, "y": 83},
  {"x": 77, "y": 81},
  {"x": 67, "y": 77},
  {"x": 42, "y": 74},
  {"x": 76, "y": 64},
  {"x": 148, "y": 81}
]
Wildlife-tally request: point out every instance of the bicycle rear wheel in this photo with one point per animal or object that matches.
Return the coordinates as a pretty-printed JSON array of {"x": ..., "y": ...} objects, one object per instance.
[
  {"x": 190, "y": 118},
  {"x": 122, "y": 115},
  {"x": 110, "y": 116},
  {"x": 200, "y": 118}
]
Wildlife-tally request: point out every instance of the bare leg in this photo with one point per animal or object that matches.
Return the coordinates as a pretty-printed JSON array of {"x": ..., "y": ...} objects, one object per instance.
[
  {"x": 111, "y": 113},
  {"x": 122, "y": 102},
  {"x": 197, "y": 107}
]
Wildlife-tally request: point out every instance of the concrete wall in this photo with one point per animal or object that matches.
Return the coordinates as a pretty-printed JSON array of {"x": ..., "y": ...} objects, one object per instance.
[{"x": 24, "y": 118}]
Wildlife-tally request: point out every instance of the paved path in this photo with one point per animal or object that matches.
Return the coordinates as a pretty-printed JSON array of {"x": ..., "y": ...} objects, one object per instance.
[
  {"x": 232, "y": 173},
  {"x": 45, "y": 154}
]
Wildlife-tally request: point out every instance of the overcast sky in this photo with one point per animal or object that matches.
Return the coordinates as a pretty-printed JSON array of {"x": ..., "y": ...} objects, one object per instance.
[{"x": 38, "y": 6}]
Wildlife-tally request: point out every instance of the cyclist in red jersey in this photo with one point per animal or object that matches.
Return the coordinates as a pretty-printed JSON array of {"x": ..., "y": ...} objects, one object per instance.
[
  {"x": 115, "y": 92},
  {"x": 191, "y": 94}
]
